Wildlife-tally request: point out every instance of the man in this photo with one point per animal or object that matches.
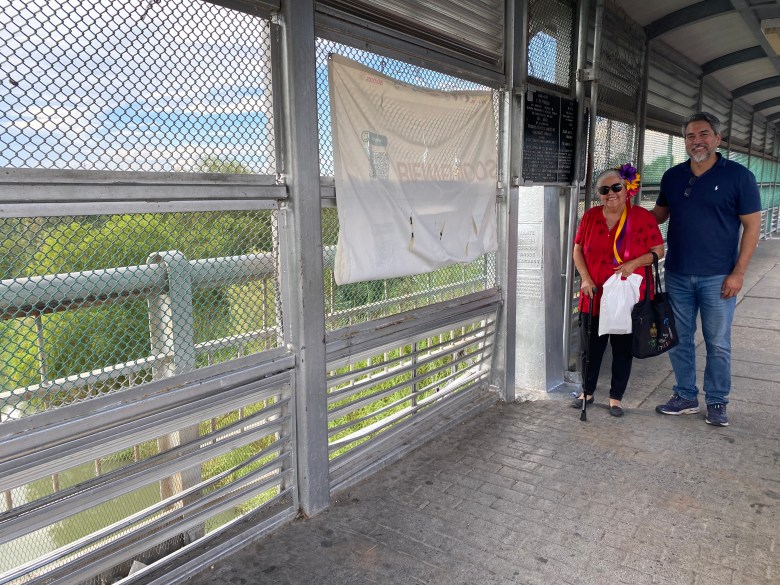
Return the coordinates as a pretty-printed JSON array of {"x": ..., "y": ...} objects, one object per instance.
[{"x": 706, "y": 199}]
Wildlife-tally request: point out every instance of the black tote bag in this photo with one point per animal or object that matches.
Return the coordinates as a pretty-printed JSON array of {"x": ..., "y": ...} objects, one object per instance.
[{"x": 652, "y": 320}]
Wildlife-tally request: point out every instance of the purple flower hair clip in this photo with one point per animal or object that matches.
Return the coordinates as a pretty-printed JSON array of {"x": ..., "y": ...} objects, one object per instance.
[{"x": 630, "y": 177}]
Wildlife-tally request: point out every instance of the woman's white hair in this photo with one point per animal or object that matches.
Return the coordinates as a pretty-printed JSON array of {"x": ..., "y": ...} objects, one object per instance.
[{"x": 606, "y": 173}]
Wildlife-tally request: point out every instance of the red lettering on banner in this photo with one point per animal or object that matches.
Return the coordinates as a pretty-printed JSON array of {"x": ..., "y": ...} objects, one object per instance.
[
  {"x": 415, "y": 171},
  {"x": 468, "y": 172},
  {"x": 491, "y": 169},
  {"x": 374, "y": 80}
]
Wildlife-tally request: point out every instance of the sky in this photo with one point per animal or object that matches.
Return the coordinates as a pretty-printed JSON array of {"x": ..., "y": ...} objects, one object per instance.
[
  {"x": 139, "y": 85},
  {"x": 107, "y": 85}
]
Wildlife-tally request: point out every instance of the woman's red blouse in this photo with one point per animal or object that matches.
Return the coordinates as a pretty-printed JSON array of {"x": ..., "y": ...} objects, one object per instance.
[{"x": 596, "y": 240}]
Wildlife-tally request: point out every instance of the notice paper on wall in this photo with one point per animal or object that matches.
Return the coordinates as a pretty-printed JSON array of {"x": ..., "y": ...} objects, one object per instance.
[{"x": 415, "y": 173}]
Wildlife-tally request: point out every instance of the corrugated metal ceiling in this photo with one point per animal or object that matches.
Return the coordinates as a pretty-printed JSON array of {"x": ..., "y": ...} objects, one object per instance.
[{"x": 723, "y": 38}]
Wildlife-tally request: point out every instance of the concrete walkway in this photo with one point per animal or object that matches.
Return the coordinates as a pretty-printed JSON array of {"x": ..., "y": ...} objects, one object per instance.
[{"x": 526, "y": 493}]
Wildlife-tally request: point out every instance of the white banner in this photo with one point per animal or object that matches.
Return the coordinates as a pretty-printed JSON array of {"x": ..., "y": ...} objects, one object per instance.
[{"x": 415, "y": 174}]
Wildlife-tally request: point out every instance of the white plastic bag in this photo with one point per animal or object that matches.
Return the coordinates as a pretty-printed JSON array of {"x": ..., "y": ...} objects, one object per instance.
[{"x": 617, "y": 301}]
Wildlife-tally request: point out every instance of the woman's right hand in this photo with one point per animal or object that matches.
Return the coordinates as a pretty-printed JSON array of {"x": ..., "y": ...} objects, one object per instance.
[{"x": 587, "y": 288}]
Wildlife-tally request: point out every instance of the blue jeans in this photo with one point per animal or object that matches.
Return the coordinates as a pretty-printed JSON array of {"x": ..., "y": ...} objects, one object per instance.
[{"x": 690, "y": 294}]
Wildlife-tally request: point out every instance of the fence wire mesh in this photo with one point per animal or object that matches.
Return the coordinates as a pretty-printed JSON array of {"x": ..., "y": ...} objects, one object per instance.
[
  {"x": 360, "y": 302},
  {"x": 551, "y": 37},
  {"x": 615, "y": 144},
  {"x": 95, "y": 304},
  {"x": 134, "y": 86},
  {"x": 620, "y": 65}
]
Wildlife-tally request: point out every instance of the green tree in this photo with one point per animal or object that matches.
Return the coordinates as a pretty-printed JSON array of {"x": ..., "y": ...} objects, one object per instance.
[
  {"x": 652, "y": 172},
  {"x": 97, "y": 334}
]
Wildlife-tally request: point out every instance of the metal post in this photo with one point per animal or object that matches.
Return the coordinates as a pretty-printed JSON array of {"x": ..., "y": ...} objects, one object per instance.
[
  {"x": 642, "y": 115},
  {"x": 594, "y": 93},
  {"x": 172, "y": 333},
  {"x": 574, "y": 190},
  {"x": 750, "y": 139},
  {"x": 764, "y": 175},
  {"x": 509, "y": 164},
  {"x": 700, "y": 98},
  {"x": 731, "y": 128},
  {"x": 775, "y": 205},
  {"x": 301, "y": 245},
  {"x": 41, "y": 349}
]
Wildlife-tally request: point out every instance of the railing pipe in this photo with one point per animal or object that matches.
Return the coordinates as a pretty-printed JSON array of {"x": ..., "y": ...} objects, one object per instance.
[{"x": 20, "y": 297}]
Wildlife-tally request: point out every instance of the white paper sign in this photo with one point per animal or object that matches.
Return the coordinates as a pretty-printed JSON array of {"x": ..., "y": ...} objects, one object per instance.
[{"x": 415, "y": 173}]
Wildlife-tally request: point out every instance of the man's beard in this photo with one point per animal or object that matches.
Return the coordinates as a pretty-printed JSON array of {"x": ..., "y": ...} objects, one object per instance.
[{"x": 701, "y": 156}]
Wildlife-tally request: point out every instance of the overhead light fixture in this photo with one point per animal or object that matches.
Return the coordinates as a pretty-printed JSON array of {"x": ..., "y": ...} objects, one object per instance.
[{"x": 771, "y": 29}]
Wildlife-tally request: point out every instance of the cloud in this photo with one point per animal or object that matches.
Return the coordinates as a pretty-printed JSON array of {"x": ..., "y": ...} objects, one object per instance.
[{"x": 50, "y": 119}]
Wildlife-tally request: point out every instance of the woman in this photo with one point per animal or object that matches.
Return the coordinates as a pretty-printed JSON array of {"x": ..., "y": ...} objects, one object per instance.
[{"x": 612, "y": 237}]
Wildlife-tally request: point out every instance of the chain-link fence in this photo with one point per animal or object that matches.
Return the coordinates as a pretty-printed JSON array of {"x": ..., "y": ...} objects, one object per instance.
[
  {"x": 141, "y": 86},
  {"x": 360, "y": 302},
  {"x": 93, "y": 304},
  {"x": 620, "y": 69},
  {"x": 551, "y": 37}
]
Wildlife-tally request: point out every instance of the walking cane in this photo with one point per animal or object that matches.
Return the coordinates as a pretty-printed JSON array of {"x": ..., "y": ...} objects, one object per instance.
[{"x": 586, "y": 361}]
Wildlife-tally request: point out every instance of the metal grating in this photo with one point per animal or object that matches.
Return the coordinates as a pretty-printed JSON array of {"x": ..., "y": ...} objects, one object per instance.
[
  {"x": 143, "y": 501},
  {"x": 615, "y": 144},
  {"x": 381, "y": 390},
  {"x": 620, "y": 66}
]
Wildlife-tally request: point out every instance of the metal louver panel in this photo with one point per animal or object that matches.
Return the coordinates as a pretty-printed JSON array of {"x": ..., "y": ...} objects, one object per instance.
[
  {"x": 473, "y": 31},
  {"x": 717, "y": 103},
  {"x": 759, "y": 134},
  {"x": 740, "y": 126},
  {"x": 672, "y": 92}
]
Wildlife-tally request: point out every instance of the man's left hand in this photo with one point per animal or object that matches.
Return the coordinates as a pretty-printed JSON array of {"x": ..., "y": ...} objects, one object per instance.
[{"x": 732, "y": 284}]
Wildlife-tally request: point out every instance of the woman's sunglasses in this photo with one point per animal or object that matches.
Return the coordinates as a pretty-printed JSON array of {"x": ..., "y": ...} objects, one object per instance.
[{"x": 616, "y": 188}]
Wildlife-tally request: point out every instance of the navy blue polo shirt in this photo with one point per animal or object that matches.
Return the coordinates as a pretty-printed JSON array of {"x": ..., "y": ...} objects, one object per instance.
[{"x": 703, "y": 233}]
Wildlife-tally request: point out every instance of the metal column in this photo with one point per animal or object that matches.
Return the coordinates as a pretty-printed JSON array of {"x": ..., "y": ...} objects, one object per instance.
[{"x": 301, "y": 233}]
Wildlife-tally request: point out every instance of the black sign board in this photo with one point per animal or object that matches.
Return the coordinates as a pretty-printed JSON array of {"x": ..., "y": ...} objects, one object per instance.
[{"x": 549, "y": 138}]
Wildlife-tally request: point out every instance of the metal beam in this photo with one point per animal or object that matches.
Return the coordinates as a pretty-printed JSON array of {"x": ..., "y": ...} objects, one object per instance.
[
  {"x": 765, "y": 105},
  {"x": 261, "y": 8},
  {"x": 748, "y": 13},
  {"x": 688, "y": 15},
  {"x": 761, "y": 84},
  {"x": 731, "y": 59}
]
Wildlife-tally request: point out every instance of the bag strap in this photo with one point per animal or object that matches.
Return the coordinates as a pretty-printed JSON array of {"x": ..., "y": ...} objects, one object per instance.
[
  {"x": 648, "y": 273},
  {"x": 658, "y": 289}
]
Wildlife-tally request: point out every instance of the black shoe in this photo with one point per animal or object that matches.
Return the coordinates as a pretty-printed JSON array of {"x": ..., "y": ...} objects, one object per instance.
[
  {"x": 615, "y": 411},
  {"x": 577, "y": 402},
  {"x": 716, "y": 415}
]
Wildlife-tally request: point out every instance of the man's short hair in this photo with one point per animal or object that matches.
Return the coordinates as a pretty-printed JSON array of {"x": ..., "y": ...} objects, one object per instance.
[{"x": 705, "y": 116}]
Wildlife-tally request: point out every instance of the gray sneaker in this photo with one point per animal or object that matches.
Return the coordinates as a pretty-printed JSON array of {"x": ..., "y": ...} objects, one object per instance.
[
  {"x": 716, "y": 415},
  {"x": 679, "y": 405}
]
